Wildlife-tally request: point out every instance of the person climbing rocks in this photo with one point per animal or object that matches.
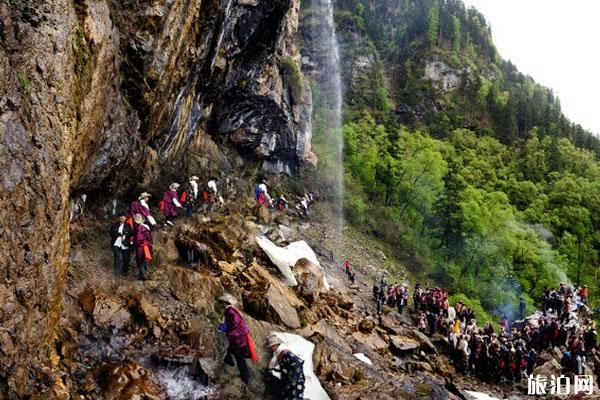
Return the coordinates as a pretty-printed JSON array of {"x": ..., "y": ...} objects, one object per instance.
[
  {"x": 191, "y": 195},
  {"x": 281, "y": 203},
  {"x": 143, "y": 245},
  {"x": 140, "y": 206},
  {"x": 261, "y": 194},
  {"x": 291, "y": 368},
  {"x": 211, "y": 195},
  {"x": 171, "y": 204},
  {"x": 120, "y": 238},
  {"x": 234, "y": 326}
]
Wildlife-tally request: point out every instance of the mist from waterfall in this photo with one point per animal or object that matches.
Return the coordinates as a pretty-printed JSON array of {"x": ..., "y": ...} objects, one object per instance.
[{"x": 327, "y": 93}]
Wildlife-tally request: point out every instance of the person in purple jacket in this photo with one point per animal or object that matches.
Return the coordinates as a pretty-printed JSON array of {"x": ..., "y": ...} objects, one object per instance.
[
  {"x": 172, "y": 205},
  {"x": 236, "y": 329},
  {"x": 140, "y": 206},
  {"x": 143, "y": 236}
]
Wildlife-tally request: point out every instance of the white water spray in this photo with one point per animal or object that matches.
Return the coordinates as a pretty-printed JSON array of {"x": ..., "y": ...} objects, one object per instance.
[{"x": 325, "y": 55}]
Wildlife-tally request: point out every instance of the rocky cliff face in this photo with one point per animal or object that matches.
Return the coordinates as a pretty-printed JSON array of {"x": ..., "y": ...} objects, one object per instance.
[{"x": 93, "y": 94}]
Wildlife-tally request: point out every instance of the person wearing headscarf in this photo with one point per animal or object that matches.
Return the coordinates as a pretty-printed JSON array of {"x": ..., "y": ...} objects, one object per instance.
[
  {"x": 171, "y": 203},
  {"x": 143, "y": 241},
  {"x": 291, "y": 368},
  {"x": 234, "y": 326},
  {"x": 140, "y": 206}
]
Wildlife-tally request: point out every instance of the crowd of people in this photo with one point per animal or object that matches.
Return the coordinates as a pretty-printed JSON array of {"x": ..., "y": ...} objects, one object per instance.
[
  {"x": 302, "y": 207},
  {"x": 510, "y": 353},
  {"x": 133, "y": 230}
]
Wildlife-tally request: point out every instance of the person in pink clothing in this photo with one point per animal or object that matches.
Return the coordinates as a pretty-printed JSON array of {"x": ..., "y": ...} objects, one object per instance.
[
  {"x": 234, "y": 326},
  {"x": 140, "y": 206},
  {"x": 143, "y": 238},
  {"x": 171, "y": 204}
]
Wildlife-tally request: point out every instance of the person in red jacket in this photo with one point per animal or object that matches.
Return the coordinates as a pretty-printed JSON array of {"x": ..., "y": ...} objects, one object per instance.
[{"x": 143, "y": 245}]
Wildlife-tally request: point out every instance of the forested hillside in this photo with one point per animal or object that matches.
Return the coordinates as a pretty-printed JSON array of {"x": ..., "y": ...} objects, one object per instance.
[{"x": 459, "y": 159}]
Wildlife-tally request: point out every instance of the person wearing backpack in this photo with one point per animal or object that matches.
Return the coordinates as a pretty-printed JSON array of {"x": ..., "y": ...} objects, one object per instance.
[
  {"x": 291, "y": 368},
  {"x": 261, "y": 194},
  {"x": 120, "y": 239},
  {"x": 143, "y": 245},
  {"x": 170, "y": 204}
]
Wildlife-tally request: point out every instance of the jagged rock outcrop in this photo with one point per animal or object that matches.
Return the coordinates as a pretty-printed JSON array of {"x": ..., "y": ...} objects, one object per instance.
[{"x": 94, "y": 93}]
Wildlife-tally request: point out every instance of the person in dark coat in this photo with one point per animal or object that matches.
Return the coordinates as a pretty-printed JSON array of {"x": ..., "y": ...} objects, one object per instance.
[
  {"x": 140, "y": 206},
  {"x": 143, "y": 237},
  {"x": 291, "y": 367},
  {"x": 234, "y": 326},
  {"x": 120, "y": 239},
  {"x": 171, "y": 203},
  {"x": 191, "y": 195}
]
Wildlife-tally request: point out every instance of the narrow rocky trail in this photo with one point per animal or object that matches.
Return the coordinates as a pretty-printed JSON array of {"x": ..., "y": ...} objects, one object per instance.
[{"x": 158, "y": 338}]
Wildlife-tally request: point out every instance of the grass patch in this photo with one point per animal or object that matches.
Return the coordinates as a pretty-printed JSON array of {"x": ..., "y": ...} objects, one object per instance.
[
  {"x": 293, "y": 77},
  {"x": 24, "y": 80}
]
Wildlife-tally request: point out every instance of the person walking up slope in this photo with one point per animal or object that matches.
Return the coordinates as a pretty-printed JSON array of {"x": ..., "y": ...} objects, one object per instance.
[
  {"x": 143, "y": 245},
  {"x": 234, "y": 326},
  {"x": 140, "y": 206},
  {"x": 170, "y": 204}
]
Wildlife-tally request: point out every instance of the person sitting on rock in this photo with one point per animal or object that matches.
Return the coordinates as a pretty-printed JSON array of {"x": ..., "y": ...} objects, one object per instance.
[
  {"x": 143, "y": 245},
  {"x": 171, "y": 204},
  {"x": 120, "y": 238},
  {"x": 234, "y": 326},
  {"x": 290, "y": 367},
  {"x": 140, "y": 206}
]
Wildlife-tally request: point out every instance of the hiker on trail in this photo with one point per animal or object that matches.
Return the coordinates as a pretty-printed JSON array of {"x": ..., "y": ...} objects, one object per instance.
[
  {"x": 291, "y": 368},
  {"x": 171, "y": 204},
  {"x": 191, "y": 195},
  {"x": 582, "y": 292},
  {"x": 352, "y": 277},
  {"x": 234, "y": 326},
  {"x": 143, "y": 245},
  {"x": 120, "y": 239},
  {"x": 401, "y": 298},
  {"x": 211, "y": 195},
  {"x": 522, "y": 309},
  {"x": 281, "y": 203},
  {"x": 140, "y": 206},
  {"x": 347, "y": 266},
  {"x": 504, "y": 325},
  {"x": 261, "y": 194},
  {"x": 417, "y": 297}
]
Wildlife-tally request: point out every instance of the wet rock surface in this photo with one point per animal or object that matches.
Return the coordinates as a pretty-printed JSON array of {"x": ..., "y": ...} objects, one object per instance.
[{"x": 102, "y": 96}]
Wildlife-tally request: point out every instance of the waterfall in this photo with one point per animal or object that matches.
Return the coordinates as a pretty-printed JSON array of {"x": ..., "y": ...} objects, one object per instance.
[{"x": 325, "y": 68}]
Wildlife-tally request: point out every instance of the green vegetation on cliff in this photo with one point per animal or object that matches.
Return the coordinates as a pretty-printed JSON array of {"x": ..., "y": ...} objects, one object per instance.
[{"x": 457, "y": 158}]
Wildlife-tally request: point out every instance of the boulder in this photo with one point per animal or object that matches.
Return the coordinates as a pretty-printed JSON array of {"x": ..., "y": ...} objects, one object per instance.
[
  {"x": 142, "y": 307},
  {"x": 401, "y": 345},
  {"x": 205, "y": 370},
  {"x": 367, "y": 324},
  {"x": 227, "y": 268},
  {"x": 372, "y": 340},
  {"x": 310, "y": 280},
  {"x": 548, "y": 369},
  {"x": 264, "y": 215},
  {"x": 105, "y": 310},
  {"x": 127, "y": 381},
  {"x": 272, "y": 306}
]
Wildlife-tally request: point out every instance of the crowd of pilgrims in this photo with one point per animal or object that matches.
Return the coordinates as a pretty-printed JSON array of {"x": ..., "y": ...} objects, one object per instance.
[
  {"x": 134, "y": 228},
  {"x": 508, "y": 353}
]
